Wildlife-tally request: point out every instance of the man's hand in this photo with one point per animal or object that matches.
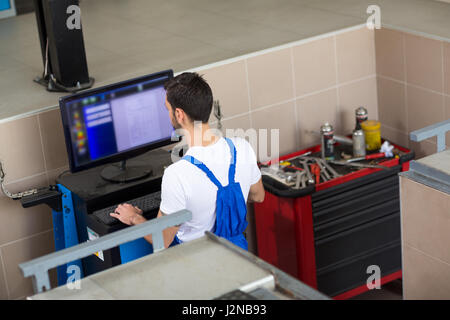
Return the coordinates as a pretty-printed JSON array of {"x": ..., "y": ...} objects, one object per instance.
[{"x": 128, "y": 214}]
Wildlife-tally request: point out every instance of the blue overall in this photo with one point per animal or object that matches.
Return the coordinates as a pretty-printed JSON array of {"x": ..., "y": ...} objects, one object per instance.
[{"x": 231, "y": 209}]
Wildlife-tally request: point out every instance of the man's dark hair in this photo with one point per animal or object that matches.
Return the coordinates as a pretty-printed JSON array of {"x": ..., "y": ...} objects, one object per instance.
[{"x": 191, "y": 93}]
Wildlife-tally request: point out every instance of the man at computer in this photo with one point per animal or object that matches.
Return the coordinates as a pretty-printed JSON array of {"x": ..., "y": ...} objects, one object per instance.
[{"x": 215, "y": 178}]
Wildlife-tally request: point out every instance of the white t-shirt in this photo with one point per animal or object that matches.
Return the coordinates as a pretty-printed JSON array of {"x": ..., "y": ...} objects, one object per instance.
[{"x": 184, "y": 186}]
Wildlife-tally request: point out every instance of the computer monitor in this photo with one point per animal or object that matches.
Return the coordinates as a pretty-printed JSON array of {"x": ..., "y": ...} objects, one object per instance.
[{"x": 115, "y": 123}]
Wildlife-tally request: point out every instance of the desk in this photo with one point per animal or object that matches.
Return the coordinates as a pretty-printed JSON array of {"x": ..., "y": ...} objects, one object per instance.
[{"x": 89, "y": 192}]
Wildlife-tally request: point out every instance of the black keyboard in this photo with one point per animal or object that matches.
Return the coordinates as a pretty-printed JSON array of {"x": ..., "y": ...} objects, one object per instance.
[{"x": 146, "y": 203}]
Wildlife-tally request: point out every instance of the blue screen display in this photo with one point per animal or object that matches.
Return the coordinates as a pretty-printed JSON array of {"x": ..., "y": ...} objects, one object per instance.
[{"x": 100, "y": 129}]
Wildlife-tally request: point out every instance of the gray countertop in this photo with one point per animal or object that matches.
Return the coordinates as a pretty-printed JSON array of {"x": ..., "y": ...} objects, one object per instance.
[
  {"x": 432, "y": 171},
  {"x": 439, "y": 161},
  {"x": 129, "y": 38},
  {"x": 205, "y": 268}
]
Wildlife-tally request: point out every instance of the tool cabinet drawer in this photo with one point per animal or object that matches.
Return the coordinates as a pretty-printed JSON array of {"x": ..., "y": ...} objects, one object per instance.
[
  {"x": 342, "y": 195},
  {"x": 336, "y": 279},
  {"x": 357, "y": 241},
  {"x": 328, "y": 195},
  {"x": 361, "y": 216},
  {"x": 354, "y": 205},
  {"x": 349, "y": 198}
]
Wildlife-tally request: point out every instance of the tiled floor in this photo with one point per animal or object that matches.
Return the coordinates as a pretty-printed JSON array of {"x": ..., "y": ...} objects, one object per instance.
[{"x": 127, "y": 38}]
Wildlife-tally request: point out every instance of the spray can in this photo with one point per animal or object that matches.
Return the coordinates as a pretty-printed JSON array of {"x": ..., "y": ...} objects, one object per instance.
[
  {"x": 361, "y": 115},
  {"x": 359, "y": 144},
  {"x": 327, "y": 133}
]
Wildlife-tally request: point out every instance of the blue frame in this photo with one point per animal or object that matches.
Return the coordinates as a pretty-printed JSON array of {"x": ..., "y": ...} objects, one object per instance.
[
  {"x": 134, "y": 250},
  {"x": 65, "y": 232},
  {"x": 7, "y": 8},
  {"x": 66, "y": 236}
]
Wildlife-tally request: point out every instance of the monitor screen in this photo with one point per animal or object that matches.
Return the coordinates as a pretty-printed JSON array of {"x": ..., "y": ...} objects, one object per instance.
[{"x": 106, "y": 122}]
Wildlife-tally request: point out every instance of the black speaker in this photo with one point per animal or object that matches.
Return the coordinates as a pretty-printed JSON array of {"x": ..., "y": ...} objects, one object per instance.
[{"x": 63, "y": 51}]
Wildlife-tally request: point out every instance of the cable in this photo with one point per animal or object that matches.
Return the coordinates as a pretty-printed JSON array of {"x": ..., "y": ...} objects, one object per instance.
[
  {"x": 14, "y": 196},
  {"x": 46, "y": 60},
  {"x": 218, "y": 114}
]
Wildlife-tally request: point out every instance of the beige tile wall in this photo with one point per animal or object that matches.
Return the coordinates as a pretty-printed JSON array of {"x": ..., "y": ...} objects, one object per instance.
[
  {"x": 294, "y": 89},
  {"x": 413, "y": 76},
  {"x": 32, "y": 151},
  {"x": 299, "y": 87},
  {"x": 425, "y": 238}
]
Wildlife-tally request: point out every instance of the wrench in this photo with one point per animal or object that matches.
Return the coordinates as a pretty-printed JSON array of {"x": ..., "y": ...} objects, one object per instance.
[
  {"x": 308, "y": 172},
  {"x": 304, "y": 155},
  {"x": 304, "y": 180},
  {"x": 298, "y": 176},
  {"x": 333, "y": 172},
  {"x": 323, "y": 171},
  {"x": 360, "y": 165}
]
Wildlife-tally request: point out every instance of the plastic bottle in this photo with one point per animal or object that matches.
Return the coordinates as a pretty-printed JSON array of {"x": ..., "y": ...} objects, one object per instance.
[{"x": 372, "y": 133}]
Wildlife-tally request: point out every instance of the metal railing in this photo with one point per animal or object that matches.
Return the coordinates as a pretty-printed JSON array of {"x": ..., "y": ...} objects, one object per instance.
[
  {"x": 438, "y": 129},
  {"x": 38, "y": 268}
]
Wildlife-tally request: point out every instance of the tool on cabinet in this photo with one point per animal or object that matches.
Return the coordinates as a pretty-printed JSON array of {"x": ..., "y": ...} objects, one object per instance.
[
  {"x": 304, "y": 163},
  {"x": 315, "y": 170},
  {"x": 309, "y": 171},
  {"x": 359, "y": 165},
  {"x": 369, "y": 157},
  {"x": 336, "y": 137},
  {"x": 342, "y": 139}
]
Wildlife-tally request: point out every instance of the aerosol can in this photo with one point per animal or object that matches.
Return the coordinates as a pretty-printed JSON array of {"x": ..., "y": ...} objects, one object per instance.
[
  {"x": 361, "y": 115},
  {"x": 327, "y": 133},
  {"x": 359, "y": 143}
]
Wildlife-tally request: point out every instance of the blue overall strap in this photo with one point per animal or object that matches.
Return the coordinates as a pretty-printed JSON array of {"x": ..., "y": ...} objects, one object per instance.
[
  {"x": 231, "y": 209},
  {"x": 232, "y": 170},
  {"x": 204, "y": 168}
]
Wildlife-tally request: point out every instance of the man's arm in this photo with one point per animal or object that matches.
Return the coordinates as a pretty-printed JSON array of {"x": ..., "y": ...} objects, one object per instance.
[
  {"x": 131, "y": 215},
  {"x": 257, "y": 192}
]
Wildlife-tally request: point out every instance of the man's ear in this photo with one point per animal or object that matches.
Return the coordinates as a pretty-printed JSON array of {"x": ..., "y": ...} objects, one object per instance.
[{"x": 179, "y": 115}]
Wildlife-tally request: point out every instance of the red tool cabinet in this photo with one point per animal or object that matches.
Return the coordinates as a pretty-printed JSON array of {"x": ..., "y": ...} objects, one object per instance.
[{"x": 326, "y": 235}]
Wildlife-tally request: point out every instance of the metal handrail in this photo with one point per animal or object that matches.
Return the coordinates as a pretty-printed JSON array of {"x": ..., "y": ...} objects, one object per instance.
[
  {"x": 38, "y": 268},
  {"x": 437, "y": 129}
]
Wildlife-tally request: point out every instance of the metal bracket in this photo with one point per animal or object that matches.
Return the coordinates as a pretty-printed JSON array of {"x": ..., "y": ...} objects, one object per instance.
[
  {"x": 38, "y": 268},
  {"x": 438, "y": 129}
]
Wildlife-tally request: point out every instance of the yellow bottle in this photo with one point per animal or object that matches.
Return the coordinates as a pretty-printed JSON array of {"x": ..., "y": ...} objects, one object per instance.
[{"x": 372, "y": 132}]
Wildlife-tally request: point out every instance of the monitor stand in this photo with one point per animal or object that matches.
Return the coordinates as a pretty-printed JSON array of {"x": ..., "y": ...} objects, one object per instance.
[{"x": 120, "y": 173}]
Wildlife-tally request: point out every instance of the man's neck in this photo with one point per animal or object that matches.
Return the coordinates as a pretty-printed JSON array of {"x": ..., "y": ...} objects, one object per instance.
[{"x": 201, "y": 135}]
